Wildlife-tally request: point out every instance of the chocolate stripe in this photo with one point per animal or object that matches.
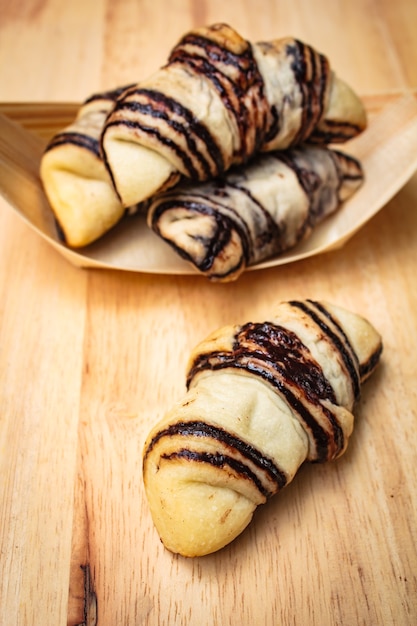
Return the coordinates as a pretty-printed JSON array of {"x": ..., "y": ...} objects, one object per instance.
[
  {"x": 110, "y": 95},
  {"x": 311, "y": 71},
  {"x": 257, "y": 366},
  {"x": 287, "y": 354},
  {"x": 215, "y": 53},
  {"x": 233, "y": 76},
  {"x": 333, "y": 131},
  {"x": 299, "y": 67},
  {"x": 279, "y": 357},
  {"x": 246, "y": 450},
  {"x": 213, "y": 245},
  {"x": 344, "y": 347},
  {"x": 368, "y": 367},
  {"x": 76, "y": 139},
  {"x": 304, "y": 175},
  {"x": 166, "y": 141},
  {"x": 219, "y": 204},
  {"x": 156, "y": 105},
  {"x": 159, "y": 106},
  {"x": 222, "y": 83},
  {"x": 348, "y": 167},
  {"x": 220, "y": 461},
  {"x": 273, "y": 230}
]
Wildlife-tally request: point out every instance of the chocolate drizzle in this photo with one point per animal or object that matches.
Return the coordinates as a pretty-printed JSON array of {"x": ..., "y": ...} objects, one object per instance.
[
  {"x": 77, "y": 139},
  {"x": 337, "y": 336},
  {"x": 111, "y": 95},
  {"x": 250, "y": 206},
  {"x": 333, "y": 131},
  {"x": 276, "y": 354},
  {"x": 221, "y": 461},
  {"x": 220, "y": 233},
  {"x": 163, "y": 123},
  {"x": 368, "y": 367},
  {"x": 149, "y": 107},
  {"x": 241, "y": 455},
  {"x": 237, "y": 80},
  {"x": 220, "y": 206},
  {"x": 103, "y": 102},
  {"x": 311, "y": 71}
]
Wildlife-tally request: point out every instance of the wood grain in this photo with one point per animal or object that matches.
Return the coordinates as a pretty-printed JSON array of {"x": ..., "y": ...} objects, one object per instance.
[{"x": 90, "y": 359}]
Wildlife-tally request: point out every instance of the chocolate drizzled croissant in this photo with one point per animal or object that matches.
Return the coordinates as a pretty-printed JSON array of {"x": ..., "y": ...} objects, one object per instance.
[
  {"x": 75, "y": 179},
  {"x": 217, "y": 102},
  {"x": 262, "y": 398},
  {"x": 256, "y": 211}
]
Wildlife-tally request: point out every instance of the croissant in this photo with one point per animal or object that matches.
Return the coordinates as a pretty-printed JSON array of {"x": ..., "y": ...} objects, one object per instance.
[
  {"x": 75, "y": 179},
  {"x": 261, "y": 399},
  {"x": 256, "y": 211},
  {"x": 217, "y": 102}
]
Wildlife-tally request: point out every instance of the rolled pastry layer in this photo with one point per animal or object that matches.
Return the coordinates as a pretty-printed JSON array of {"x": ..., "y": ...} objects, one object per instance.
[
  {"x": 218, "y": 101},
  {"x": 256, "y": 211},
  {"x": 75, "y": 179},
  {"x": 261, "y": 399}
]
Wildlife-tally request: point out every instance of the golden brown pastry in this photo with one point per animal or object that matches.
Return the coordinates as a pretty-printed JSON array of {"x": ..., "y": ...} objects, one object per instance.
[
  {"x": 255, "y": 211},
  {"x": 218, "y": 101},
  {"x": 262, "y": 398},
  {"x": 75, "y": 179}
]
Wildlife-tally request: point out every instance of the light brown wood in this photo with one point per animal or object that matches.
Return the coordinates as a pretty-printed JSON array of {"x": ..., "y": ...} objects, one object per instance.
[{"x": 89, "y": 359}]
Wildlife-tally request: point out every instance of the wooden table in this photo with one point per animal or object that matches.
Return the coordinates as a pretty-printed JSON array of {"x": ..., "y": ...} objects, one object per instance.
[{"x": 89, "y": 359}]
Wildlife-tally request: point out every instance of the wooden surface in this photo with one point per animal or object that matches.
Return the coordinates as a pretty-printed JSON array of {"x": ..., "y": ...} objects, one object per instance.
[{"x": 89, "y": 359}]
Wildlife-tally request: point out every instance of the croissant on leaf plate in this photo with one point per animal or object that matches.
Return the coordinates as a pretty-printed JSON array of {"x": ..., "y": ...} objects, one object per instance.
[
  {"x": 254, "y": 212},
  {"x": 217, "y": 102}
]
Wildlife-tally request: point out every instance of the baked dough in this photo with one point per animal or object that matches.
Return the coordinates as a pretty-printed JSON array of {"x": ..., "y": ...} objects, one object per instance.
[
  {"x": 75, "y": 179},
  {"x": 218, "y": 101},
  {"x": 262, "y": 398},
  {"x": 256, "y": 211}
]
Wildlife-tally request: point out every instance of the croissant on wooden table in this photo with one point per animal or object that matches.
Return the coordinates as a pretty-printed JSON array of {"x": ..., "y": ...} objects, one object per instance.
[
  {"x": 75, "y": 179},
  {"x": 262, "y": 398},
  {"x": 218, "y": 101},
  {"x": 254, "y": 212}
]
